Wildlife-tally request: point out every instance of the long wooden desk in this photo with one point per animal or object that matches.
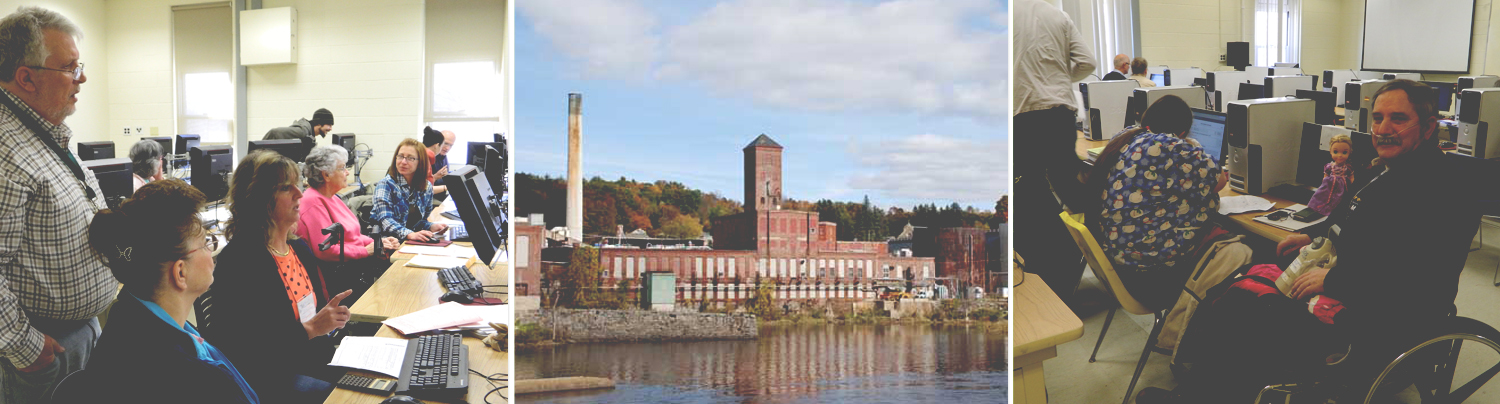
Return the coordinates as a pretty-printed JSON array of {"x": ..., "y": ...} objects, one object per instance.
[
  {"x": 1042, "y": 322},
  {"x": 403, "y": 290}
]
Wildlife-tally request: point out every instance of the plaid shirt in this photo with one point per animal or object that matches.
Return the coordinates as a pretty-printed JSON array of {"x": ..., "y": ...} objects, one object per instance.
[
  {"x": 394, "y": 201},
  {"x": 49, "y": 269}
]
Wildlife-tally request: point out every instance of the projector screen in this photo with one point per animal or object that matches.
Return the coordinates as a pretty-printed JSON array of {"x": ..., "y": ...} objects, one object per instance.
[{"x": 1418, "y": 35}]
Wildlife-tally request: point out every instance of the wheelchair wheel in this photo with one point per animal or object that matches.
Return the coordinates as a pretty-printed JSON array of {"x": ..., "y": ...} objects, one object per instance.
[{"x": 1428, "y": 372}]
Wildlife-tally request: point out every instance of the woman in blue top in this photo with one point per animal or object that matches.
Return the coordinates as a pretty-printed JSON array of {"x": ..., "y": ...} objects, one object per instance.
[
  {"x": 1159, "y": 189},
  {"x": 155, "y": 244},
  {"x": 401, "y": 203}
]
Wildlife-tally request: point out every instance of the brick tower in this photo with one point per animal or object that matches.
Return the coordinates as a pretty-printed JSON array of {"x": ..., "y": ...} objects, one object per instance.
[{"x": 762, "y": 174}]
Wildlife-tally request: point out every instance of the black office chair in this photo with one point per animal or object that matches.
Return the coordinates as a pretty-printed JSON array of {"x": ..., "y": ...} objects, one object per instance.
[
  {"x": 203, "y": 311},
  {"x": 73, "y": 388}
]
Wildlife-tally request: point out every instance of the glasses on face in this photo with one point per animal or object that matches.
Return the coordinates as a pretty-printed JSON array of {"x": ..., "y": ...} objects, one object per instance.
[
  {"x": 406, "y": 158},
  {"x": 77, "y": 71},
  {"x": 210, "y": 244}
]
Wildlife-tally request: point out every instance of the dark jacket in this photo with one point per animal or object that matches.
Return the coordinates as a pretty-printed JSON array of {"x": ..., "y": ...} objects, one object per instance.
[
  {"x": 300, "y": 129},
  {"x": 139, "y": 356},
  {"x": 254, "y": 323},
  {"x": 1115, "y": 75}
]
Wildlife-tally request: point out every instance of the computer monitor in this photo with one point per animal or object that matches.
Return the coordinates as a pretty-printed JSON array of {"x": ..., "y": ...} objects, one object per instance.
[
  {"x": 1159, "y": 79},
  {"x": 346, "y": 141},
  {"x": 479, "y": 208},
  {"x": 1445, "y": 93},
  {"x": 1323, "y": 104},
  {"x": 115, "y": 179},
  {"x": 494, "y": 168},
  {"x": 500, "y": 138},
  {"x": 293, "y": 149},
  {"x": 211, "y": 167},
  {"x": 185, "y": 143},
  {"x": 166, "y": 149},
  {"x": 1250, "y": 91},
  {"x": 96, "y": 150},
  {"x": 1208, "y": 130},
  {"x": 476, "y": 152}
]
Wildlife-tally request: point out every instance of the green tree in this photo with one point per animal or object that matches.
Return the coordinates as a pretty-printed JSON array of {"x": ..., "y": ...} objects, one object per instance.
[
  {"x": 580, "y": 279},
  {"x": 683, "y": 227},
  {"x": 763, "y": 303}
]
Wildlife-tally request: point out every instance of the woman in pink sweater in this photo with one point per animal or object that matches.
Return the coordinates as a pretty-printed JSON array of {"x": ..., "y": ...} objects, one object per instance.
[{"x": 321, "y": 207}]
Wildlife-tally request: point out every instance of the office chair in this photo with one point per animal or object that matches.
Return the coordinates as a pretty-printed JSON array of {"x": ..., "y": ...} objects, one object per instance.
[
  {"x": 1105, "y": 271},
  {"x": 203, "y": 311},
  {"x": 72, "y": 388}
]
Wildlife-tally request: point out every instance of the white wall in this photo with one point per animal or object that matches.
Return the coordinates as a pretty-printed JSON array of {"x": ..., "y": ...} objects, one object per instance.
[
  {"x": 139, "y": 34},
  {"x": 90, "y": 122}
]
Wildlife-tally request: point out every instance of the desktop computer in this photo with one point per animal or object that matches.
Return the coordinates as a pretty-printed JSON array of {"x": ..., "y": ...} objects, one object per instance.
[
  {"x": 1224, "y": 86},
  {"x": 1467, "y": 82},
  {"x": 1264, "y": 136},
  {"x": 1251, "y": 91},
  {"x": 1408, "y": 76},
  {"x": 1445, "y": 94},
  {"x": 115, "y": 179},
  {"x": 1357, "y": 103},
  {"x": 1287, "y": 86},
  {"x": 480, "y": 210},
  {"x": 1314, "y": 151},
  {"x": 96, "y": 150},
  {"x": 1142, "y": 98},
  {"x": 211, "y": 167},
  {"x": 1479, "y": 108},
  {"x": 1208, "y": 131},
  {"x": 346, "y": 141},
  {"x": 1333, "y": 80},
  {"x": 294, "y": 149},
  {"x": 1368, "y": 75},
  {"x": 1325, "y": 102},
  {"x": 1105, "y": 103},
  {"x": 1182, "y": 76},
  {"x": 185, "y": 143}
]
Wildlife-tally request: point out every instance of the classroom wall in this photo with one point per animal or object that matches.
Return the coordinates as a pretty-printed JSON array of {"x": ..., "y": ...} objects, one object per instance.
[
  {"x": 90, "y": 122},
  {"x": 139, "y": 34},
  {"x": 1188, "y": 33}
]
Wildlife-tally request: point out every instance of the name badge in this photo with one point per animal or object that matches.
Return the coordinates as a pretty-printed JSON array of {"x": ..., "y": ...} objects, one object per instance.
[{"x": 305, "y": 308}]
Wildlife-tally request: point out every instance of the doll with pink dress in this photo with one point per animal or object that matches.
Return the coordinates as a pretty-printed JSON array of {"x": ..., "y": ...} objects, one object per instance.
[{"x": 1336, "y": 176}]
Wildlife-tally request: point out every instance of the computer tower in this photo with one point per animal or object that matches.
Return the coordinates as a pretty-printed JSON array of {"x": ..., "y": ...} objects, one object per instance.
[
  {"x": 1333, "y": 80},
  {"x": 1480, "y": 108},
  {"x": 1144, "y": 97},
  {"x": 1408, "y": 76},
  {"x": 1264, "y": 137},
  {"x": 1357, "y": 103},
  {"x": 1287, "y": 86},
  {"x": 1224, "y": 86},
  {"x": 1183, "y": 77},
  {"x": 1256, "y": 72},
  {"x": 1467, "y": 82},
  {"x": 1105, "y": 102},
  {"x": 1283, "y": 71}
]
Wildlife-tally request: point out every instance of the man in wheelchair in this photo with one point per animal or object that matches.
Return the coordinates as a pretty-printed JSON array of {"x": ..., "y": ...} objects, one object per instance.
[{"x": 1402, "y": 236}]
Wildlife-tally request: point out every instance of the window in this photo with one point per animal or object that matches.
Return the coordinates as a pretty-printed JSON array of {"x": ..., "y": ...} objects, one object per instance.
[
  {"x": 201, "y": 45},
  {"x": 465, "y": 82},
  {"x": 1278, "y": 37}
]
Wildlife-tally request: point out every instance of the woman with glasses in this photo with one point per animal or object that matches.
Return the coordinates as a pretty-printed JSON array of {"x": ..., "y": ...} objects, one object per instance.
[
  {"x": 403, "y": 204},
  {"x": 271, "y": 311},
  {"x": 321, "y": 208},
  {"x": 155, "y": 244}
]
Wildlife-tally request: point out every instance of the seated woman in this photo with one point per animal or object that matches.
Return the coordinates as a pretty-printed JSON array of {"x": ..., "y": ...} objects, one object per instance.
[
  {"x": 1158, "y": 188},
  {"x": 321, "y": 207},
  {"x": 155, "y": 244},
  {"x": 146, "y": 162},
  {"x": 401, "y": 204},
  {"x": 266, "y": 308}
]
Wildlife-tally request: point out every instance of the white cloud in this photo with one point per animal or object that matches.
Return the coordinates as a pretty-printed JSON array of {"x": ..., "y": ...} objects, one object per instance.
[
  {"x": 612, "y": 38},
  {"x": 933, "y": 168}
]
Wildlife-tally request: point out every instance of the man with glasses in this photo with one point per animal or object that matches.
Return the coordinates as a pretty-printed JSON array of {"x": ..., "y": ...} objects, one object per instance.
[
  {"x": 53, "y": 285},
  {"x": 305, "y": 130}
]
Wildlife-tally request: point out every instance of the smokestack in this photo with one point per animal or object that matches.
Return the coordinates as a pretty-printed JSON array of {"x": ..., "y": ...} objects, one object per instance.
[{"x": 575, "y": 166}]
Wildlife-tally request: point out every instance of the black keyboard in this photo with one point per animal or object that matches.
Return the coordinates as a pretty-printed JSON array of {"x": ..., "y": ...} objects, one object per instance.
[
  {"x": 459, "y": 279},
  {"x": 436, "y": 367}
]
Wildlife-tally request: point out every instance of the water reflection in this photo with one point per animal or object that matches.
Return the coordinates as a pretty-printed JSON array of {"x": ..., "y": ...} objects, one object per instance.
[{"x": 810, "y": 363}]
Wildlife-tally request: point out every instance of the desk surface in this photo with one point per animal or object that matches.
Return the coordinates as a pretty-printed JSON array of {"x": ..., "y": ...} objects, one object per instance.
[
  {"x": 403, "y": 290},
  {"x": 1042, "y": 320}
]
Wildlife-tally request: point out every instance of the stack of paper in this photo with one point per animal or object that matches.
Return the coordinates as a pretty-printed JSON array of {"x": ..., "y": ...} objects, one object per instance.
[
  {"x": 440, "y": 316},
  {"x": 435, "y": 261},
  {"x": 1243, "y": 203},
  {"x": 488, "y": 314},
  {"x": 379, "y": 355},
  {"x": 452, "y": 250}
]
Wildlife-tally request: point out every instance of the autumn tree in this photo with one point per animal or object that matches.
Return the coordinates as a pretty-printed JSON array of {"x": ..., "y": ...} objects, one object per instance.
[
  {"x": 580, "y": 279},
  {"x": 682, "y": 227}
]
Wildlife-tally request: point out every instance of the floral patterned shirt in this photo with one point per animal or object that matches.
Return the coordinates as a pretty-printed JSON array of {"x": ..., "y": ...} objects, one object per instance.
[{"x": 1156, "y": 199}]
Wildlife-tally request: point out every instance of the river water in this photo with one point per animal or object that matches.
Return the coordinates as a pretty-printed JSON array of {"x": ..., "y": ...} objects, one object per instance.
[{"x": 900, "y": 363}]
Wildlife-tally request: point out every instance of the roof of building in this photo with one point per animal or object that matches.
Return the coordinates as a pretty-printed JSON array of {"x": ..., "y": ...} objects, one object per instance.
[{"x": 763, "y": 141}]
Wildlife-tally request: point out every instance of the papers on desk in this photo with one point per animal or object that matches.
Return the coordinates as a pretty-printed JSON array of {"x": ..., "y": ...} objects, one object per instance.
[
  {"x": 435, "y": 261},
  {"x": 375, "y": 354},
  {"x": 444, "y": 315},
  {"x": 452, "y": 250},
  {"x": 1244, "y": 203},
  {"x": 1289, "y": 223},
  {"x": 499, "y": 313}
]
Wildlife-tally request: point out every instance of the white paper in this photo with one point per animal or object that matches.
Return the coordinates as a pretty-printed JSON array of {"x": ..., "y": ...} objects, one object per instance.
[
  {"x": 422, "y": 250},
  {"x": 1289, "y": 223},
  {"x": 440, "y": 316},
  {"x": 458, "y": 251},
  {"x": 1243, "y": 203},
  {"x": 375, "y": 354},
  {"x": 488, "y": 314},
  {"x": 435, "y": 261}
]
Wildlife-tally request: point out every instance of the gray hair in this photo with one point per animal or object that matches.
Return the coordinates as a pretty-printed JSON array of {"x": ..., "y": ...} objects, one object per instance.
[
  {"x": 145, "y": 158},
  {"x": 21, "y": 38},
  {"x": 322, "y": 160}
]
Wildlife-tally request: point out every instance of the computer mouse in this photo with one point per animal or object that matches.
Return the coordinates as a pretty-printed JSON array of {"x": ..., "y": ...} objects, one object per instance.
[
  {"x": 401, "y": 400},
  {"x": 456, "y": 296}
]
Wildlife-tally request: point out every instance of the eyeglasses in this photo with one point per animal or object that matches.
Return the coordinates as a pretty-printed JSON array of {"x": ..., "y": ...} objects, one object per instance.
[
  {"x": 77, "y": 71},
  {"x": 210, "y": 244},
  {"x": 406, "y": 158}
]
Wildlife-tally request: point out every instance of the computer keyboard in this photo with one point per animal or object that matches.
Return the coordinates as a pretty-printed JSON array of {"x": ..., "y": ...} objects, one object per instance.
[
  {"x": 452, "y": 214},
  {"x": 457, "y": 232},
  {"x": 436, "y": 366},
  {"x": 459, "y": 279}
]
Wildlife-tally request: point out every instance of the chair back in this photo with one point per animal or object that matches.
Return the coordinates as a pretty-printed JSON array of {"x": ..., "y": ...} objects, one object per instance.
[
  {"x": 1099, "y": 262},
  {"x": 203, "y": 311},
  {"x": 73, "y": 388}
]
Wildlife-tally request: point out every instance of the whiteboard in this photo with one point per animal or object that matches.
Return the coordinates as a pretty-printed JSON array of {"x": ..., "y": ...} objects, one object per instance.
[{"x": 1418, "y": 35}]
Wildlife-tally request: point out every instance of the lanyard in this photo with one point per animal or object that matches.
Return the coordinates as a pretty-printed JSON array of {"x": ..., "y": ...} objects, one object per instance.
[{"x": 41, "y": 133}]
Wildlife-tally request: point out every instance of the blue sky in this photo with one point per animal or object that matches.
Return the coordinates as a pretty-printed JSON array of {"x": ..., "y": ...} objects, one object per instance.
[{"x": 904, "y": 101}]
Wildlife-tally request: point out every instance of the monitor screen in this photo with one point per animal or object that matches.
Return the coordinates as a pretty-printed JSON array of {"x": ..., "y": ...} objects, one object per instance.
[
  {"x": 1159, "y": 79},
  {"x": 1208, "y": 130},
  {"x": 211, "y": 168},
  {"x": 115, "y": 179},
  {"x": 475, "y": 152},
  {"x": 1322, "y": 103},
  {"x": 96, "y": 150},
  {"x": 1250, "y": 91},
  {"x": 1444, "y": 94},
  {"x": 480, "y": 210},
  {"x": 293, "y": 149},
  {"x": 346, "y": 141},
  {"x": 185, "y": 143}
]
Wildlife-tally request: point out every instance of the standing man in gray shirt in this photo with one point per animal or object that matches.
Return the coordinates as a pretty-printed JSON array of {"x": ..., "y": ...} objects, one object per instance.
[
  {"x": 1050, "y": 56},
  {"x": 54, "y": 285},
  {"x": 307, "y": 131}
]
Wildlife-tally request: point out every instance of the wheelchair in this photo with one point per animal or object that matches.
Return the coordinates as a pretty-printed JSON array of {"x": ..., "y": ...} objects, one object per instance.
[{"x": 1428, "y": 367}]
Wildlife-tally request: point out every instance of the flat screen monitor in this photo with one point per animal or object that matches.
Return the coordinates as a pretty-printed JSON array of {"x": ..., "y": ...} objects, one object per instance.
[
  {"x": 1250, "y": 91},
  {"x": 1445, "y": 93},
  {"x": 96, "y": 150},
  {"x": 1159, "y": 79},
  {"x": 494, "y": 169},
  {"x": 476, "y": 152},
  {"x": 115, "y": 179},
  {"x": 293, "y": 149},
  {"x": 499, "y": 137},
  {"x": 1322, "y": 104},
  {"x": 346, "y": 141},
  {"x": 185, "y": 143},
  {"x": 480, "y": 210},
  {"x": 211, "y": 167},
  {"x": 1134, "y": 107},
  {"x": 1208, "y": 130}
]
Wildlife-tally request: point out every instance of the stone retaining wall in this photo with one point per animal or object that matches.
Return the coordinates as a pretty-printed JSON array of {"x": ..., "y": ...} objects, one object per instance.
[{"x": 641, "y": 325}]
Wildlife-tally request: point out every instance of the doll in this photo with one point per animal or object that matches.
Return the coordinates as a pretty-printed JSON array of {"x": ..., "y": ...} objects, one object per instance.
[{"x": 1336, "y": 176}]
